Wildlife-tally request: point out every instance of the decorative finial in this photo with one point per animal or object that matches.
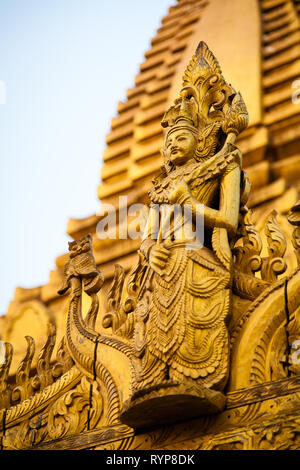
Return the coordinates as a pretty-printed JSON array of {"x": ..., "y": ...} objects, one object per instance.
[{"x": 207, "y": 105}]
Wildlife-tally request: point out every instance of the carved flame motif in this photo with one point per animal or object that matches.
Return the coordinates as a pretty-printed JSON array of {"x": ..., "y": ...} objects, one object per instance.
[
  {"x": 294, "y": 219},
  {"x": 248, "y": 260},
  {"x": 274, "y": 264}
]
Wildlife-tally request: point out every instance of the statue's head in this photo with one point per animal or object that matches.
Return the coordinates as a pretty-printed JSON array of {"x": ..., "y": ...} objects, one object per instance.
[
  {"x": 207, "y": 114},
  {"x": 184, "y": 142},
  {"x": 180, "y": 145}
]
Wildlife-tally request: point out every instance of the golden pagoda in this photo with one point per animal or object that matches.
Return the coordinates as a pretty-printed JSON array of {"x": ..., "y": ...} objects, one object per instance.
[{"x": 190, "y": 348}]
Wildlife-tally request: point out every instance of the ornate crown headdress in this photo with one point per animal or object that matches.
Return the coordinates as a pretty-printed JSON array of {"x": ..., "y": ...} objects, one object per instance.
[{"x": 207, "y": 105}]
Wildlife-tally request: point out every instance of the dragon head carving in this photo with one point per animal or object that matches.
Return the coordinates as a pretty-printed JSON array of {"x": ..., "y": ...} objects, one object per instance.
[{"x": 82, "y": 265}]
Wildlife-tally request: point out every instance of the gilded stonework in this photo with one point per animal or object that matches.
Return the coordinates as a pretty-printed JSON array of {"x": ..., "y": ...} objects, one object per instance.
[{"x": 198, "y": 345}]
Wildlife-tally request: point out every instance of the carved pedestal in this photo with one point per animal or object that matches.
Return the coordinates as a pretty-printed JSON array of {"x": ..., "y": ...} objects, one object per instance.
[{"x": 170, "y": 403}]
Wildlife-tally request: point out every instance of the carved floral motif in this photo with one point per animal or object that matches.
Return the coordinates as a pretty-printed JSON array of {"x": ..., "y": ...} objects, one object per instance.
[{"x": 75, "y": 411}]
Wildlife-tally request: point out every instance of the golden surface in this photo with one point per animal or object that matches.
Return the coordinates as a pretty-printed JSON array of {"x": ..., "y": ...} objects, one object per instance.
[
  {"x": 68, "y": 402},
  {"x": 238, "y": 63}
]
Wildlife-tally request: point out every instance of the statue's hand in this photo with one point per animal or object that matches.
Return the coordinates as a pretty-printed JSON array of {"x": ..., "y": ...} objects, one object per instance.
[
  {"x": 158, "y": 258},
  {"x": 180, "y": 194}
]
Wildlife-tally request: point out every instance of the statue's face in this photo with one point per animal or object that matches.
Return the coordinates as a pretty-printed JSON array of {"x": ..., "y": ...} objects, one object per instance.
[{"x": 181, "y": 146}]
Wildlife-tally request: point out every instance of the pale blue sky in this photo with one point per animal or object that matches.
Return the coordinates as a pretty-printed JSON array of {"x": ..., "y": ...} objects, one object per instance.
[{"x": 66, "y": 64}]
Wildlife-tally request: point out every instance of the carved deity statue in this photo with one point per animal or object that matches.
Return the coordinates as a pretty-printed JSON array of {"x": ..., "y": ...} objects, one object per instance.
[
  {"x": 165, "y": 357},
  {"x": 164, "y": 353},
  {"x": 181, "y": 290}
]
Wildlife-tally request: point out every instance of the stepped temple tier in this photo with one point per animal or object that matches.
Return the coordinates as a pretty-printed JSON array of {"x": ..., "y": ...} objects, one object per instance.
[{"x": 187, "y": 337}]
